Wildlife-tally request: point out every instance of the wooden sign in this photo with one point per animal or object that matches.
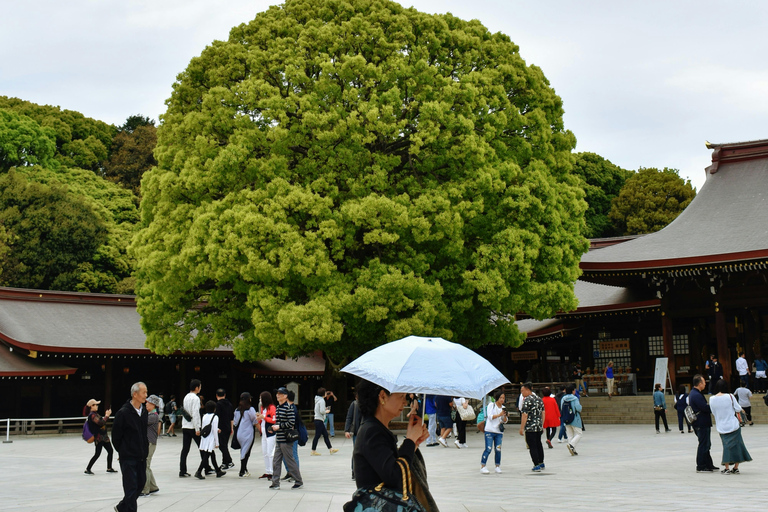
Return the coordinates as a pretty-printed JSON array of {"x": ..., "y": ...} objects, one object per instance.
[
  {"x": 614, "y": 345},
  {"x": 525, "y": 356}
]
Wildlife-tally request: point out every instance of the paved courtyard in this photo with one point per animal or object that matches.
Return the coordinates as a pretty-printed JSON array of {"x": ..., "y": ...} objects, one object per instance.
[{"x": 619, "y": 468}]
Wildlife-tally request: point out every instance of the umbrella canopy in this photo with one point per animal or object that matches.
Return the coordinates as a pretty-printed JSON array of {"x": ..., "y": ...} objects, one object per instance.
[{"x": 427, "y": 365}]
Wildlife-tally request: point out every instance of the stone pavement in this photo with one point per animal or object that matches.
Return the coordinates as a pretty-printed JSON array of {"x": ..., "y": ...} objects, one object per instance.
[{"x": 619, "y": 468}]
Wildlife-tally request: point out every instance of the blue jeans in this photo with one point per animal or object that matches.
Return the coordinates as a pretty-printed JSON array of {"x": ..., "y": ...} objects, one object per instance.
[
  {"x": 492, "y": 438},
  {"x": 329, "y": 420},
  {"x": 562, "y": 434}
]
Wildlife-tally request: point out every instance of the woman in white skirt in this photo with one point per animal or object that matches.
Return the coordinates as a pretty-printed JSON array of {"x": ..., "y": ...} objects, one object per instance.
[{"x": 724, "y": 407}]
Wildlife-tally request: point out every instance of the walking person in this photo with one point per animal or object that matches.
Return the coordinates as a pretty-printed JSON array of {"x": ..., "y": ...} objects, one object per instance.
[
  {"x": 190, "y": 424},
  {"x": 716, "y": 372},
  {"x": 578, "y": 378},
  {"x": 226, "y": 413},
  {"x": 245, "y": 419},
  {"x": 743, "y": 369},
  {"x": 532, "y": 418},
  {"x": 495, "y": 418},
  {"x": 154, "y": 424},
  {"x": 681, "y": 402},
  {"x": 571, "y": 414},
  {"x": 660, "y": 407},
  {"x": 299, "y": 425},
  {"x": 266, "y": 418},
  {"x": 209, "y": 441},
  {"x": 760, "y": 378},
  {"x": 609, "y": 380},
  {"x": 320, "y": 411},
  {"x": 702, "y": 425},
  {"x": 330, "y": 400},
  {"x": 551, "y": 414},
  {"x": 98, "y": 427},
  {"x": 742, "y": 395},
  {"x": 171, "y": 410},
  {"x": 352, "y": 425},
  {"x": 444, "y": 421},
  {"x": 724, "y": 407},
  {"x": 285, "y": 419},
  {"x": 431, "y": 411},
  {"x": 130, "y": 436},
  {"x": 459, "y": 404}
]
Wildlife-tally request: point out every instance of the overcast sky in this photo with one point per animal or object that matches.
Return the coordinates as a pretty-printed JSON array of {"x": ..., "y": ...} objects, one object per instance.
[{"x": 644, "y": 84}]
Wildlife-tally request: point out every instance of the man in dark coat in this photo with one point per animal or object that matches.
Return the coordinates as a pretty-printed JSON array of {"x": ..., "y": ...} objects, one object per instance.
[
  {"x": 702, "y": 425},
  {"x": 226, "y": 413},
  {"x": 129, "y": 435}
]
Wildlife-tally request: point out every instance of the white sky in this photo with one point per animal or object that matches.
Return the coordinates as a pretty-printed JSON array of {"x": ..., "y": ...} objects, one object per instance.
[{"x": 643, "y": 83}]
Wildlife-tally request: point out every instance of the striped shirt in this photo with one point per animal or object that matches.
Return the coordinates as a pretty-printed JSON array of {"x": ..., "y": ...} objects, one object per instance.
[{"x": 286, "y": 418}]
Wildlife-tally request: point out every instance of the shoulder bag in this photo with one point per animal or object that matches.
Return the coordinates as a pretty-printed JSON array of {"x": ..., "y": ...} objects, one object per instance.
[
  {"x": 383, "y": 499},
  {"x": 467, "y": 414},
  {"x": 738, "y": 415},
  {"x": 235, "y": 442}
]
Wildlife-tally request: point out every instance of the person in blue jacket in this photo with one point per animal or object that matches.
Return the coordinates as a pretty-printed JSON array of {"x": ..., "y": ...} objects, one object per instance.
[
  {"x": 660, "y": 407},
  {"x": 573, "y": 429},
  {"x": 680, "y": 405},
  {"x": 431, "y": 411}
]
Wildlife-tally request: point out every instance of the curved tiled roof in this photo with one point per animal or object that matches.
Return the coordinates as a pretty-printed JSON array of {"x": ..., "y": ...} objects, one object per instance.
[
  {"x": 13, "y": 364},
  {"x": 727, "y": 221}
]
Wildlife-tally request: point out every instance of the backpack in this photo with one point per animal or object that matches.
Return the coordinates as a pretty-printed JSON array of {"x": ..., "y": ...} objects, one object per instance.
[
  {"x": 88, "y": 437},
  {"x": 303, "y": 436},
  {"x": 566, "y": 413}
]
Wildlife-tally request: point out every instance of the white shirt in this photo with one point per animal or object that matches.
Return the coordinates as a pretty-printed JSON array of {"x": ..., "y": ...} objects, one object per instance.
[
  {"x": 741, "y": 366},
  {"x": 492, "y": 425},
  {"x": 744, "y": 395},
  {"x": 724, "y": 408},
  {"x": 192, "y": 405},
  {"x": 208, "y": 444}
]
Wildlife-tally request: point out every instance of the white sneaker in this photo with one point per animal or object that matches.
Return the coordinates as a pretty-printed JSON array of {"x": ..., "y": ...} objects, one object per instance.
[
  {"x": 442, "y": 442},
  {"x": 484, "y": 470},
  {"x": 464, "y": 445},
  {"x": 498, "y": 469},
  {"x": 457, "y": 443},
  {"x": 559, "y": 440}
]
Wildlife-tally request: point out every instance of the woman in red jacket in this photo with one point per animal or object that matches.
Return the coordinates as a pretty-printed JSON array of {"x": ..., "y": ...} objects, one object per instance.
[
  {"x": 266, "y": 418},
  {"x": 551, "y": 414}
]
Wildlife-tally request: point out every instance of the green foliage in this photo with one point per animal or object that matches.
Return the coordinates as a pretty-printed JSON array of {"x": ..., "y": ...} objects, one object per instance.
[
  {"x": 80, "y": 141},
  {"x": 601, "y": 181},
  {"x": 23, "y": 141},
  {"x": 53, "y": 235},
  {"x": 131, "y": 156},
  {"x": 339, "y": 174},
  {"x": 135, "y": 121},
  {"x": 650, "y": 200}
]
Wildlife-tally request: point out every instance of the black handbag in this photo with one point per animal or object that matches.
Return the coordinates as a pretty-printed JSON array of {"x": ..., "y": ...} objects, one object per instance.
[
  {"x": 291, "y": 435},
  {"x": 235, "y": 442},
  {"x": 383, "y": 499}
]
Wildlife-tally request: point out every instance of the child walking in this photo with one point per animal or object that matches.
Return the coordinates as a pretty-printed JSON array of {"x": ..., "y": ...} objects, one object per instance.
[{"x": 209, "y": 443}]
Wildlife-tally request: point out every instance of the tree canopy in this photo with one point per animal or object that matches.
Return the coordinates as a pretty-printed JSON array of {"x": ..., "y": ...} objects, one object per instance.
[
  {"x": 131, "y": 156},
  {"x": 339, "y": 174},
  {"x": 23, "y": 141},
  {"x": 649, "y": 200},
  {"x": 602, "y": 181}
]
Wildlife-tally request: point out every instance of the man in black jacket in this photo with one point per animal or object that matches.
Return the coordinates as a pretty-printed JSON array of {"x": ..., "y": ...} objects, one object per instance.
[
  {"x": 702, "y": 425},
  {"x": 226, "y": 413},
  {"x": 129, "y": 435}
]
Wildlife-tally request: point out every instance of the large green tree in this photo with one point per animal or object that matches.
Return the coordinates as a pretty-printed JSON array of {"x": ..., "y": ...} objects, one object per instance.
[
  {"x": 341, "y": 173},
  {"x": 131, "y": 156},
  {"x": 23, "y": 141},
  {"x": 649, "y": 200},
  {"x": 53, "y": 235},
  {"x": 602, "y": 182}
]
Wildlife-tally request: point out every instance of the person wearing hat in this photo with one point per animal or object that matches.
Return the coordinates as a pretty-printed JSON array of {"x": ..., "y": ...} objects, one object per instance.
[
  {"x": 285, "y": 420},
  {"x": 153, "y": 431},
  {"x": 98, "y": 427}
]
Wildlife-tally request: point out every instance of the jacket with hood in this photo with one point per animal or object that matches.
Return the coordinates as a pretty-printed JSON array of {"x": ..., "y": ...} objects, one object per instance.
[
  {"x": 576, "y": 405},
  {"x": 319, "y": 408}
]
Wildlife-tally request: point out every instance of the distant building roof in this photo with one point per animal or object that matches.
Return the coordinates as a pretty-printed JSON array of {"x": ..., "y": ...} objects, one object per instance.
[
  {"x": 727, "y": 221},
  {"x": 14, "y": 365}
]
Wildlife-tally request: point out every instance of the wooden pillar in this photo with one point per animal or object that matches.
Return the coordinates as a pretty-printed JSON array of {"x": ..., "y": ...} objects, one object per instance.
[
  {"x": 108, "y": 384},
  {"x": 723, "y": 354},
  {"x": 669, "y": 353}
]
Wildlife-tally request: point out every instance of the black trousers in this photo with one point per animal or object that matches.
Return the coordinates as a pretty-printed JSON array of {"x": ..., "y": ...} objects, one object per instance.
[
  {"x": 134, "y": 478},
  {"x": 748, "y": 412},
  {"x": 189, "y": 436},
  {"x": 663, "y": 415},
  {"x": 204, "y": 456},
  {"x": 533, "y": 439},
  {"x": 226, "y": 458},
  {"x": 461, "y": 430},
  {"x": 99, "y": 446},
  {"x": 703, "y": 458},
  {"x": 551, "y": 431},
  {"x": 320, "y": 431}
]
